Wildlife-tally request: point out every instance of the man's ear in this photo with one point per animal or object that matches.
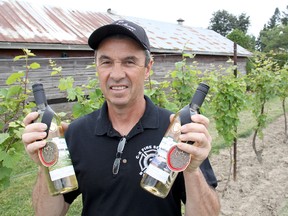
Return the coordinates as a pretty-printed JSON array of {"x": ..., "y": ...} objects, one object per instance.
[{"x": 148, "y": 69}]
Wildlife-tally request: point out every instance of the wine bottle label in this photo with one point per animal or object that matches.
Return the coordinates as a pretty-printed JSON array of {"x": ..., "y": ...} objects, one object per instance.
[
  {"x": 158, "y": 168},
  {"x": 62, "y": 172},
  {"x": 63, "y": 167},
  {"x": 158, "y": 172},
  {"x": 177, "y": 160},
  {"x": 48, "y": 155}
]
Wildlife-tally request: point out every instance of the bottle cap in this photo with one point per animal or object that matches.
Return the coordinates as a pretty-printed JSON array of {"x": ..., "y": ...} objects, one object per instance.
[
  {"x": 200, "y": 94},
  {"x": 39, "y": 93}
]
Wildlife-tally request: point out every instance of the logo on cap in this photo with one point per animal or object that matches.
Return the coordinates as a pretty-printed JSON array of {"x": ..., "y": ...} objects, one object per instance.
[{"x": 126, "y": 25}]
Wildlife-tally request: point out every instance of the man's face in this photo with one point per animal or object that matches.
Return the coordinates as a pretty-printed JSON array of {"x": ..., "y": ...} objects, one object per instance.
[{"x": 121, "y": 71}]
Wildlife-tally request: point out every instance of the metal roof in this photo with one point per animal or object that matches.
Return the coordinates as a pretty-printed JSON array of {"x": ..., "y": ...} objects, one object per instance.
[{"x": 24, "y": 24}]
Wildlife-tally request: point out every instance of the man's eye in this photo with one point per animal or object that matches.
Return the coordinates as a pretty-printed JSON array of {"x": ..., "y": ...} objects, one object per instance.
[
  {"x": 129, "y": 62},
  {"x": 105, "y": 63}
]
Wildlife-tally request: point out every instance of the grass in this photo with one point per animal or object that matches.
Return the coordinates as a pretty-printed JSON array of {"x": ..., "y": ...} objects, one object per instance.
[
  {"x": 16, "y": 200},
  {"x": 284, "y": 210}
]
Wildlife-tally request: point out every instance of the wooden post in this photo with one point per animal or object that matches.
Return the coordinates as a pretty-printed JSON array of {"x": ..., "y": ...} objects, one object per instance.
[{"x": 235, "y": 138}]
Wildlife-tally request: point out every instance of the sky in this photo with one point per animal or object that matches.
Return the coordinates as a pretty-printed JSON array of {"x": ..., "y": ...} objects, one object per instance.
[{"x": 195, "y": 13}]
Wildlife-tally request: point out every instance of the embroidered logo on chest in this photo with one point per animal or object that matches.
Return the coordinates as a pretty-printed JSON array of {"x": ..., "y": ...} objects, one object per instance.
[{"x": 145, "y": 156}]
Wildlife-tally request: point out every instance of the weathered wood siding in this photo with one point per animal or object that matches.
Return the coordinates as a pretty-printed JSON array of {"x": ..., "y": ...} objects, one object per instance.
[{"x": 76, "y": 67}]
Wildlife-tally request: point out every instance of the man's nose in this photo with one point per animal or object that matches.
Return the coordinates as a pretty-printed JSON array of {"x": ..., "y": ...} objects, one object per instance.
[{"x": 117, "y": 71}]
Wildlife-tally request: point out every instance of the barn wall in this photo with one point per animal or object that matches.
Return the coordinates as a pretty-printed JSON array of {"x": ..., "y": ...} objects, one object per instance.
[{"x": 76, "y": 67}]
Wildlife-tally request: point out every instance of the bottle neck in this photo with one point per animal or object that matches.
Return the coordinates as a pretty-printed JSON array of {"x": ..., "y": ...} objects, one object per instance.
[
  {"x": 194, "y": 107},
  {"x": 41, "y": 107},
  {"x": 40, "y": 97}
]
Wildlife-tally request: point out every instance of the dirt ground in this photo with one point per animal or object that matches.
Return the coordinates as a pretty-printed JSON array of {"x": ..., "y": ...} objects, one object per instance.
[{"x": 260, "y": 189}]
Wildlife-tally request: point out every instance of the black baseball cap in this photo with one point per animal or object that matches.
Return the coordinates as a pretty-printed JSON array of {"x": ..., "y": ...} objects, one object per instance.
[{"x": 119, "y": 27}]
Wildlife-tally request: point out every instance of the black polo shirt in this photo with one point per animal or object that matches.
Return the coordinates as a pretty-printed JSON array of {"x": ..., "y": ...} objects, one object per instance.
[{"x": 93, "y": 142}]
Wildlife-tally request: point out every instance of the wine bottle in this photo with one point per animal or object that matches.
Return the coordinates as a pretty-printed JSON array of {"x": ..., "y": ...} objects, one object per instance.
[
  {"x": 169, "y": 160},
  {"x": 54, "y": 156}
]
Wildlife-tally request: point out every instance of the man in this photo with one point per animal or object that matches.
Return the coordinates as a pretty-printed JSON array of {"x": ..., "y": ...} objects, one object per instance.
[{"x": 123, "y": 61}]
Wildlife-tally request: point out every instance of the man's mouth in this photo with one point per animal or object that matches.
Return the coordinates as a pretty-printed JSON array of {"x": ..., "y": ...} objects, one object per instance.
[{"x": 118, "y": 87}]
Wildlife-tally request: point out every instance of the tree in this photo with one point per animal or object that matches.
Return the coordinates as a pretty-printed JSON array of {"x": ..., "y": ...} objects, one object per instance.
[
  {"x": 275, "y": 39},
  {"x": 274, "y": 34},
  {"x": 239, "y": 37},
  {"x": 242, "y": 23},
  {"x": 275, "y": 20},
  {"x": 284, "y": 18},
  {"x": 221, "y": 22},
  {"x": 224, "y": 22}
]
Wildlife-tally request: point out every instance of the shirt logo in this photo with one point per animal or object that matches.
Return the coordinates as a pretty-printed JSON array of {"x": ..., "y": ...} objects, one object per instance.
[{"x": 144, "y": 156}]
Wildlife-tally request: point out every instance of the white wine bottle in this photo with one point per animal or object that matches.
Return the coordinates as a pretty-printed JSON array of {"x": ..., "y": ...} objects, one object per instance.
[
  {"x": 169, "y": 160},
  {"x": 54, "y": 156}
]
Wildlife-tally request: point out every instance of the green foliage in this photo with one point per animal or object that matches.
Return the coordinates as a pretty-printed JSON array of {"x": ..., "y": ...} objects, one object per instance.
[
  {"x": 239, "y": 37},
  {"x": 184, "y": 81},
  {"x": 229, "y": 97},
  {"x": 262, "y": 81},
  {"x": 274, "y": 35},
  {"x": 282, "y": 92},
  {"x": 275, "y": 20},
  {"x": 284, "y": 18},
  {"x": 226, "y": 99},
  {"x": 282, "y": 84},
  {"x": 87, "y": 97},
  {"x": 13, "y": 107},
  {"x": 156, "y": 91},
  {"x": 275, "y": 39},
  {"x": 223, "y": 22}
]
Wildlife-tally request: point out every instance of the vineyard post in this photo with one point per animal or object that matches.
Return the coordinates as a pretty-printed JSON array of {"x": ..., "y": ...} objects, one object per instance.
[{"x": 235, "y": 138}]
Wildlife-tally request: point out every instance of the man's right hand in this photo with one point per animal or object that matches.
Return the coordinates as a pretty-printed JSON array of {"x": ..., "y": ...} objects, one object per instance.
[{"x": 33, "y": 135}]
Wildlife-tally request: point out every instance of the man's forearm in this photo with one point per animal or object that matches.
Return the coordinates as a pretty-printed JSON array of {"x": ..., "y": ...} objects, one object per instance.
[
  {"x": 201, "y": 199},
  {"x": 43, "y": 203}
]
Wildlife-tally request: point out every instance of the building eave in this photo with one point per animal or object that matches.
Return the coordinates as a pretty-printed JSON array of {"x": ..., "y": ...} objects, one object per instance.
[{"x": 43, "y": 46}]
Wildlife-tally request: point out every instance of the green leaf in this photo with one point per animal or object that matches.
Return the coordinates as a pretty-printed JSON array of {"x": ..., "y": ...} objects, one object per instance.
[
  {"x": 14, "y": 90},
  {"x": 71, "y": 94},
  {"x": 28, "y": 52},
  {"x": 3, "y": 92},
  {"x": 77, "y": 110},
  {"x": 4, "y": 177},
  {"x": 9, "y": 159},
  {"x": 13, "y": 125},
  {"x": 62, "y": 114},
  {"x": 3, "y": 137},
  {"x": 53, "y": 73},
  {"x": 34, "y": 65},
  {"x": 15, "y": 77},
  {"x": 188, "y": 55},
  {"x": 16, "y": 58},
  {"x": 66, "y": 83}
]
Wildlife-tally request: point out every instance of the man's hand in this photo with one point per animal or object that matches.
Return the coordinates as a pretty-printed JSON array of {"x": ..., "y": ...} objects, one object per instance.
[
  {"x": 34, "y": 134},
  {"x": 197, "y": 131}
]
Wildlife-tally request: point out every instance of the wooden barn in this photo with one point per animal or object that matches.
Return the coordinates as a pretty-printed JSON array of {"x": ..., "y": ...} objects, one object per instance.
[{"x": 61, "y": 34}]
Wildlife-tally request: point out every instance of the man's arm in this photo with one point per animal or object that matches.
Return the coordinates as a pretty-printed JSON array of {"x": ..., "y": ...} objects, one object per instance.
[
  {"x": 43, "y": 203},
  {"x": 201, "y": 198}
]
